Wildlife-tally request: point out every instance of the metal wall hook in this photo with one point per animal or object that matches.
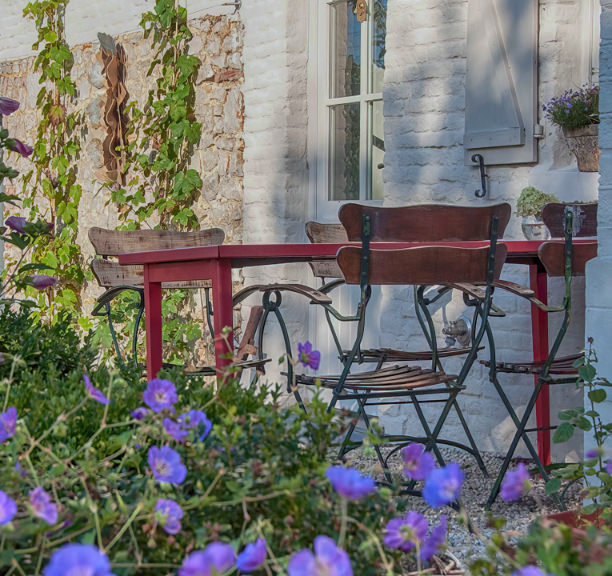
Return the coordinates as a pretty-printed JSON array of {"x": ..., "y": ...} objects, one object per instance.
[{"x": 483, "y": 176}]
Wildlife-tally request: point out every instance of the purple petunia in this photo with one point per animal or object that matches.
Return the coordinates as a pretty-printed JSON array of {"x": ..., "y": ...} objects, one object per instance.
[
  {"x": 16, "y": 145},
  {"x": 196, "y": 419},
  {"x": 436, "y": 540},
  {"x": 216, "y": 559},
  {"x": 169, "y": 515},
  {"x": 515, "y": 484},
  {"x": 307, "y": 356},
  {"x": 139, "y": 413},
  {"x": 530, "y": 571},
  {"x": 78, "y": 559},
  {"x": 418, "y": 464},
  {"x": 8, "y": 105},
  {"x": 16, "y": 223},
  {"x": 160, "y": 395},
  {"x": 443, "y": 485},
  {"x": 349, "y": 482},
  {"x": 42, "y": 281},
  {"x": 406, "y": 532},
  {"x": 327, "y": 559},
  {"x": 166, "y": 465},
  {"x": 8, "y": 423},
  {"x": 93, "y": 392},
  {"x": 253, "y": 556},
  {"x": 174, "y": 430},
  {"x": 42, "y": 506},
  {"x": 8, "y": 508}
]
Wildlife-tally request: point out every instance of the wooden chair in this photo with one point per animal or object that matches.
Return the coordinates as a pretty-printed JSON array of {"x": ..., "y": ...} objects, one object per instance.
[
  {"x": 403, "y": 384},
  {"x": 584, "y": 218},
  {"x": 561, "y": 259}
]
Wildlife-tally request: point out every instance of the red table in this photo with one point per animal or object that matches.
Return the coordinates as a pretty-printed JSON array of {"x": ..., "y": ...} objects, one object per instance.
[{"x": 215, "y": 263}]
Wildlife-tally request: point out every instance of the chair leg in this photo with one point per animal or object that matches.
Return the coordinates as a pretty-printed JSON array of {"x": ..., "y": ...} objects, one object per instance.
[
  {"x": 141, "y": 307},
  {"x": 431, "y": 437},
  {"x": 113, "y": 334},
  {"x": 468, "y": 433}
]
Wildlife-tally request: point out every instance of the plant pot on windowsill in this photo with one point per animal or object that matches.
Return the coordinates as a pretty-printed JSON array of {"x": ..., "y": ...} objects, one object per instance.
[{"x": 583, "y": 142}]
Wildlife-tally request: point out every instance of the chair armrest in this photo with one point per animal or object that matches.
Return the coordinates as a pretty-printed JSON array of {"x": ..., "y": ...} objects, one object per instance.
[
  {"x": 110, "y": 294},
  {"x": 315, "y": 296}
]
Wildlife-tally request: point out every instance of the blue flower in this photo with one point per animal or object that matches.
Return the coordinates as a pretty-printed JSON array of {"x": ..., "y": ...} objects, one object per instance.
[
  {"x": 196, "y": 419},
  {"x": 406, "y": 532},
  {"x": 327, "y": 559},
  {"x": 42, "y": 505},
  {"x": 174, "y": 430},
  {"x": 166, "y": 465},
  {"x": 530, "y": 571},
  {"x": 8, "y": 423},
  {"x": 608, "y": 467},
  {"x": 349, "y": 482},
  {"x": 515, "y": 484},
  {"x": 78, "y": 559},
  {"x": 96, "y": 394},
  {"x": 160, "y": 395},
  {"x": 418, "y": 464},
  {"x": 216, "y": 559},
  {"x": 253, "y": 556},
  {"x": 307, "y": 356},
  {"x": 436, "y": 540},
  {"x": 169, "y": 515},
  {"x": 443, "y": 485},
  {"x": 8, "y": 508}
]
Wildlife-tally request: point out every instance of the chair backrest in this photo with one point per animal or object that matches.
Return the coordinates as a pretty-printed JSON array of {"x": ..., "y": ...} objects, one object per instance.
[
  {"x": 424, "y": 222},
  {"x": 114, "y": 242},
  {"x": 584, "y": 221},
  {"x": 319, "y": 233},
  {"x": 552, "y": 256}
]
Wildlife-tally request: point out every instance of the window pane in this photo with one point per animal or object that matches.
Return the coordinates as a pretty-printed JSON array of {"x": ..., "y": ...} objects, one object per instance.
[
  {"x": 346, "y": 50},
  {"x": 377, "y": 150},
  {"x": 344, "y": 149},
  {"x": 379, "y": 33}
]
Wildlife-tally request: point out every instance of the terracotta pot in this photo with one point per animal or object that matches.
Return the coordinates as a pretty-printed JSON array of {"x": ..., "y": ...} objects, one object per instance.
[{"x": 583, "y": 142}]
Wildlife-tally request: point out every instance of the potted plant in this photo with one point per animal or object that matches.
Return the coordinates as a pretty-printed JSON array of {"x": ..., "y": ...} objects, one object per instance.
[
  {"x": 577, "y": 112},
  {"x": 529, "y": 205}
]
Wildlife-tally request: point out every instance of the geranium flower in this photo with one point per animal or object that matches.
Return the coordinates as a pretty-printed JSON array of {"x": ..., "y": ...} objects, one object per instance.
[
  {"x": 42, "y": 281},
  {"x": 406, "y": 532},
  {"x": 174, "y": 430},
  {"x": 418, "y": 463},
  {"x": 436, "y": 540},
  {"x": 216, "y": 559},
  {"x": 16, "y": 223},
  {"x": 139, "y": 413},
  {"x": 349, "y": 482},
  {"x": 8, "y": 105},
  {"x": 77, "y": 560},
  {"x": 608, "y": 467},
  {"x": 253, "y": 556},
  {"x": 16, "y": 145},
  {"x": 169, "y": 515},
  {"x": 96, "y": 394},
  {"x": 530, "y": 571},
  {"x": 196, "y": 419},
  {"x": 8, "y": 508},
  {"x": 166, "y": 465},
  {"x": 42, "y": 506},
  {"x": 8, "y": 423},
  {"x": 443, "y": 485},
  {"x": 160, "y": 395},
  {"x": 307, "y": 356},
  {"x": 327, "y": 559},
  {"x": 515, "y": 484}
]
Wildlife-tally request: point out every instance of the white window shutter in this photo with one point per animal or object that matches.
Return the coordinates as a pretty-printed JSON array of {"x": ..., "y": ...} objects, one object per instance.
[{"x": 501, "y": 84}]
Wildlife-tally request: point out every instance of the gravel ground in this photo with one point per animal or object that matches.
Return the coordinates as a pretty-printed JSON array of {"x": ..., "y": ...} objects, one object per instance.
[{"x": 464, "y": 546}]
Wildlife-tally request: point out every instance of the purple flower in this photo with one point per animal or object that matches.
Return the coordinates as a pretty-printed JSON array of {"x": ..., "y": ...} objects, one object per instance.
[
  {"x": 8, "y": 508},
  {"x": 174, "y": 430},
  {"x": 307, "y": 356},
  {"x": 18, "y": 146},
  {"x": 443, "y": 485},
  {"x": 166, "y": 465},
  {"x": 8, "y": 105},
  {"x": 42, "y": 281},
  {"x": 139, "y": 413},
  {"x": 591, "y": 454},
  {"x": 530, "y": 571},
  {"x": 405, "y": 533},
  {"x": 160, "y": 395},
  {"x": 436, "y": 540},
  {"x": 349, "y": 482},
  {"x": 96, "y": 394},
  {"x": 515, "y": 484},
  {"x": 216, "y": 559},
  {"x": 418, "y": 464},
  {"x": 78, "y": 559},
  {"x": 8, "y": 423},
  {"x": 608, "y": 467},
  {"x": 327, "y": 559},
  {"x": 42, "y": 505},
  {"x": 169, "y": 515},
  {"x": 253, "y": 556},
  {"x": 196, "y": 419},
  {"x": 16, "y": 223}
]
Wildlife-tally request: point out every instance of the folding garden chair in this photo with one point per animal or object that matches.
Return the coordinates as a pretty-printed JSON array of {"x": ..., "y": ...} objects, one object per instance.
[
  {"x": 561, "y": 259},
  {"x": 403, "y": 384}
]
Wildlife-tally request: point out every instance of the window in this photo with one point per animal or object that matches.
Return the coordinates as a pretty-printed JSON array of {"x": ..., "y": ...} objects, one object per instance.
[{"x": 351, "y": 64}]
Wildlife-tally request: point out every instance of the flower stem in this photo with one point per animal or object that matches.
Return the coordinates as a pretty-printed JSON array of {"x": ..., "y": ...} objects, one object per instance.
[{"x": 343, "y": 521}]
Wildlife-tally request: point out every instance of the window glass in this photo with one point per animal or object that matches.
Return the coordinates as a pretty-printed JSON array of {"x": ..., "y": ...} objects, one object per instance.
[
  {"x": 344, "y": 147},
  {"x": 346, "y": 50}
]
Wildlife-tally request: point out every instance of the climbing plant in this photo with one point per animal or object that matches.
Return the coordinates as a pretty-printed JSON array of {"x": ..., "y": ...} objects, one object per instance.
[{"x": 51, "y": 190}]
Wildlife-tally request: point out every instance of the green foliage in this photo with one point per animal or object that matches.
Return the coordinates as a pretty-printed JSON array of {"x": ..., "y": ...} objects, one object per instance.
[
  {"x": 531, "y": 201},
  {"x": 574, "y": 108}
]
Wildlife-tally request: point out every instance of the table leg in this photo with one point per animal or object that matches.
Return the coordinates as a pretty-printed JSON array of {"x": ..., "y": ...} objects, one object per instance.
[
  {"x": 153, "y": 323},
  {"x": 539, "y": 331},
  {"x": 223, "y": 312}
]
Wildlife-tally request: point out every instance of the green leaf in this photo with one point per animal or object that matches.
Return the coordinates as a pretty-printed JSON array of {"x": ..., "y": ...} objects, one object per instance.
[
  {"x": 598, "y": 395},
  {"x": 563, "y": 433},
  {"x": 587, "y": 372},
  {"x": 553, "y": 485},
  {"x": 583, "y": 423}
]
